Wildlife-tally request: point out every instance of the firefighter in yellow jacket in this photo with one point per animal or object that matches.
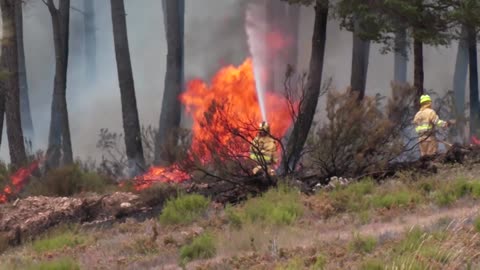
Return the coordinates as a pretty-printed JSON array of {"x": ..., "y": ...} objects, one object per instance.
[
  {"x": 426, "y": 121},
  {"x": 263, "y": 150}
]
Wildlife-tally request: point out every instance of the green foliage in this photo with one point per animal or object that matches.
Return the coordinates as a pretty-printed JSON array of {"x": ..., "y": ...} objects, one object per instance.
[
  {"x": 379, "y": 20},
  {"x": 58, "y": 264},
  {"x": 59, "y": 239},
  {"x": 184, "y": 209},
  {"x": 67, "y": 181},
  {"x": 279, "y": 206},
  {"x": 363, "y": 244},
  {"x": 372, "y": 264},
  {"x": 202, "y": 247}
]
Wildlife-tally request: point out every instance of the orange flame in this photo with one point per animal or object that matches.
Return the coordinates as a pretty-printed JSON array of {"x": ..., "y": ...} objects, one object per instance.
[
  {"x": 18, "y": 181},
  {"x": 229, "y": 103}
]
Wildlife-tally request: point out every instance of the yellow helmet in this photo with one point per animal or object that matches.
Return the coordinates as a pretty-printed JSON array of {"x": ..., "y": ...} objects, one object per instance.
[
  {"x": 425, "y": 98},
  {"x": 264, "y": 127}
]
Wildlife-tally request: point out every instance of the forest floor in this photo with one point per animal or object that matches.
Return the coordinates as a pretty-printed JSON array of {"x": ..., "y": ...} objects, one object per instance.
[{"x": 409, "y": 222}]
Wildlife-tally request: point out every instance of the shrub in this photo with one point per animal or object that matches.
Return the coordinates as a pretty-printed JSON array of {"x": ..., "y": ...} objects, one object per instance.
[
  {"x": 363, "y": 244},
  {"x": 67, "y": 181},
  {"x": 158, "y": 194},
  {"x": 59, "y": 239},
  {"x": 360, "y": 137},
  {"x": 184, "y": 209},
  {"x": 279, "y": 206},
  {"x": 202, "y": 247}
]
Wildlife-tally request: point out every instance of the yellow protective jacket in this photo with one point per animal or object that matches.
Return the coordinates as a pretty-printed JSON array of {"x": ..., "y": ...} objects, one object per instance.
[
  {"x": 426, "y": 119},
  {"x": 264, "y": 146}
]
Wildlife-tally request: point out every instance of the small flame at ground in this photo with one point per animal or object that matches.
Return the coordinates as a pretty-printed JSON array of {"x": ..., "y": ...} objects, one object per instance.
[
  {"x": 233, "y": 90},
  {"x": 17, "y": 181}
]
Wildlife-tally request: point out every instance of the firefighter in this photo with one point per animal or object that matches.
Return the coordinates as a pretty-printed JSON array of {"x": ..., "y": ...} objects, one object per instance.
[
  {"x": 425, "y": 121},
  {"x": 263, "y": 150}
]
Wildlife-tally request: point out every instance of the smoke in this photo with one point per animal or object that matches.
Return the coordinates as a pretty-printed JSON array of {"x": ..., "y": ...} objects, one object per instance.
[
  {"x": 214, "y": 36},
  {"x": 256, "y": 27}
]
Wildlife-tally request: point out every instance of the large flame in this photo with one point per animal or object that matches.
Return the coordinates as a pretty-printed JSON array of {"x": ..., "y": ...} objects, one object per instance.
[
  {"x": 229, "y": 103},
  {"x": 18, "y": 180}
]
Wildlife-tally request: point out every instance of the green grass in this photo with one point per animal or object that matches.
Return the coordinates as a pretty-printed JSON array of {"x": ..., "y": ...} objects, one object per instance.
[
  {"x": 476, "y": 224},
  {"x": 280, "y": 206},
  {"x": 202, "y": 247},
  {"x": 184, "y": 209},
  {"x": 58, "y": 264},
  {"x": 363, "y": 244},
  {"x": 320, "y": 263},
  {"x": 59, "y": 239},
  {"x": 63, "y": 263},
  {"x": 372, "y": 264},
  {"x": 395, "y": 199}
]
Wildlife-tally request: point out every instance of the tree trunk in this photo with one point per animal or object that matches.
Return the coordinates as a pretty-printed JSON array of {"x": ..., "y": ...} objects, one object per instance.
[
  {"x": 131, "y": 123},
  {"x": 473, "y": 81},
  {"x": 90, "y": 42},
  {"x": 312, "y": 92},
  {"x": 59, "y": 142},
  {"x": 9, "y": 64},
  {"x": 459, "y": 83},
  {"x": 401, "y": 57},
  {"x": 418, "y": 69},
  {"x": 170, "y": 116},
  {"x": 25, "y": 112},
  {"x": 360, "y": 55}
]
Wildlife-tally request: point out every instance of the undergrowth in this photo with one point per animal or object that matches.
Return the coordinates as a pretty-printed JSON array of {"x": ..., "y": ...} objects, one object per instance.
[
  {"x": 184, "y": 209},
  {"x": 201, "y": 247},
  {"x": 59, "y": 239},
  {"x": 363, "y": 196},
  {"x": 363, "y": 244},
  {"x": 67, "y": 181},
  {"x": 279, "y": 206}
]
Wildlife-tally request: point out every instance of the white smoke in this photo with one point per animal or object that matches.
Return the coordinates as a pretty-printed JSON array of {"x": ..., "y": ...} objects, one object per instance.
[
  {"x": 256, "y": 27},
  {"x": 214, "y": 36}
]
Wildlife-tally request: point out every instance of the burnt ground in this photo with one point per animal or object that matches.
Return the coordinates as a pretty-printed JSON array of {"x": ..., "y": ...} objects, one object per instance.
[{"x": 129, "y": 242}]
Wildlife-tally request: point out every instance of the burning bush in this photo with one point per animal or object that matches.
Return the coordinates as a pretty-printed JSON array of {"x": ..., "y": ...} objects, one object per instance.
[{"x": 361, "y": 137}]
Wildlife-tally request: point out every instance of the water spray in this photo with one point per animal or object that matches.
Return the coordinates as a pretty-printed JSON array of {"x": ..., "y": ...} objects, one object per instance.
[{"x": 256, "y": 28}]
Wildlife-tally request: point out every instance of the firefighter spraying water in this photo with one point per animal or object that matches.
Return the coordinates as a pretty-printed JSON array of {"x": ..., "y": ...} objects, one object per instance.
[{"x": 264, "y": 150}]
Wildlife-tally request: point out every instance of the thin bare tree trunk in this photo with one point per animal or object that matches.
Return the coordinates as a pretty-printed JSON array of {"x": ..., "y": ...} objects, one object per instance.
[
  {"x": 170, "y": 115},
  {"x": 25, "y": 112},
  {"x": 9, "y": 64},
  {"x": 309, "y": 104},
  {"x": 473, "y": 82},
  {"x": 59, "y": 142},
  {"x": 401, "y": 57},
  {"x": 90, "y": 42},
  {"x": 131, "y": 123},
  {"x": 360, "y": 55},
  {"x": 418, "y": 69},
  {"x": 459, "y": 84}
]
